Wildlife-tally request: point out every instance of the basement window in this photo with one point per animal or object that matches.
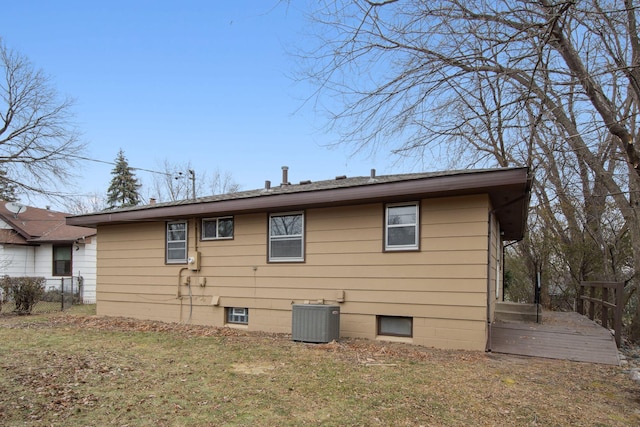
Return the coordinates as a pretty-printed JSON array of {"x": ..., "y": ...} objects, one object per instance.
[
  {"x": 395, "y": 326},
  {"x": 238, "y": 315}
]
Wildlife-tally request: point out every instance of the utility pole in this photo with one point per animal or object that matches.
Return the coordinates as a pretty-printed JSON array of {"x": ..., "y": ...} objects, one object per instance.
[
  {"x": 193, "y": 183},
  {"x": 192, "y": 177}
]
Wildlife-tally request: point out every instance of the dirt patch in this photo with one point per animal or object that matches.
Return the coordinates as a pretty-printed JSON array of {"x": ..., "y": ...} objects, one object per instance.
[{"x": 252, "y": 369}]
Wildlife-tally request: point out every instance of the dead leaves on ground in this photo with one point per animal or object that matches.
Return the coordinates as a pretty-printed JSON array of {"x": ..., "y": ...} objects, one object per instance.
[{"x": 486, "y": 387}]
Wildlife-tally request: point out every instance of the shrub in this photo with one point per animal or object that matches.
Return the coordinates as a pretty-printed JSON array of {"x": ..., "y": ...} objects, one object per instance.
[{"x": 25, "y": 292}]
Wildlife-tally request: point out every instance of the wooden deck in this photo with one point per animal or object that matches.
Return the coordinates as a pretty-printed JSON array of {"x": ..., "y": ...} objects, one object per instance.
[{"x": 567, "y": 336}]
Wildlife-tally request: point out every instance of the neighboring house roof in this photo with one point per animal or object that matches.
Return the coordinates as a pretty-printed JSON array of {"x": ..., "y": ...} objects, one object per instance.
[
  {"x": 35, "y": 225},
  {"x": 508, "y": 188}
]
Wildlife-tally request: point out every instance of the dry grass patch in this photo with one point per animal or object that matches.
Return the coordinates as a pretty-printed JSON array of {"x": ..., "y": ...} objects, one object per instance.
[{"x": 84, "y": 370}]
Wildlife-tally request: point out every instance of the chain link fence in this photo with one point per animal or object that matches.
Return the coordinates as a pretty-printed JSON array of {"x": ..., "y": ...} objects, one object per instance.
[{"x": 59, "y": 294}]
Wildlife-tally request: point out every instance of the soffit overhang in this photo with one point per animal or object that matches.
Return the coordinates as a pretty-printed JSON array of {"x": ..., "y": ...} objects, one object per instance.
[{"x": 508, "y": 190}]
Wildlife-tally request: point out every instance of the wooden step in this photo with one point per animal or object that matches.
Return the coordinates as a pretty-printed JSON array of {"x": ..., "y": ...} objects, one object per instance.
[{"x": 516, "y": 312}]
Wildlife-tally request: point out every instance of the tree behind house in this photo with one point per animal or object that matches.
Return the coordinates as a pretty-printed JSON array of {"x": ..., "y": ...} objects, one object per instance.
[
  {"x": 124, "y": 187},
  {"x": 174, "y": 182},
  {"x": 7, "y": 188},
  {"x": 39, "y": 140},
  {"x": 549, "y": 85}
]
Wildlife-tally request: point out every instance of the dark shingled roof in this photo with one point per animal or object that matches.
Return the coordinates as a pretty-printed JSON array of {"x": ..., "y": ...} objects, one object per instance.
[
  {"x": 305, "y": 186},
  {"x": 35, "y": 225},
  {"x": 507, "y": 186}
]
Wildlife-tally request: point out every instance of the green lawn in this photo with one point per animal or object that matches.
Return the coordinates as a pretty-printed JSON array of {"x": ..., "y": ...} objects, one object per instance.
[{"x": 76, "y": 369}]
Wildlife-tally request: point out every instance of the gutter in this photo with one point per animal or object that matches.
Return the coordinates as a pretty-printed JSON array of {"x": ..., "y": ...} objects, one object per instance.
[{"x": 451, "y": 185}]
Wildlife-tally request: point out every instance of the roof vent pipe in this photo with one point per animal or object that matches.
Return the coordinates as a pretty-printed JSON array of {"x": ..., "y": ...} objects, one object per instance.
[
  {"x": 267, "y": 185},
  {"x": 285, "y": 175},
  {"x": 373, "y": 173}
]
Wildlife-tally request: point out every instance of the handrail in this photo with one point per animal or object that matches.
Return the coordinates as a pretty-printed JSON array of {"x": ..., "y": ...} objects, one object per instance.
[{"x": 605, "y": 304}]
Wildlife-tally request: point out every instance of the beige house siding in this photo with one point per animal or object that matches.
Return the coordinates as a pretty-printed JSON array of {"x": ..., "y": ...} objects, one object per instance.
[
  {"x": 495, "y": 267},
  {"x": 443, "y": 286}
]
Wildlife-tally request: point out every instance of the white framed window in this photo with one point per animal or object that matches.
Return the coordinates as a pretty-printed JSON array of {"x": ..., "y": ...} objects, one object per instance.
[
  {"x": 286, "y": 237},
  {"x": 395, "y": 326},
  {"x": 177, "y": 242},
  {"x": 238, "y": 315},
  {"x": 402, "y": 230},
  {"x": 217, "y": 228}
]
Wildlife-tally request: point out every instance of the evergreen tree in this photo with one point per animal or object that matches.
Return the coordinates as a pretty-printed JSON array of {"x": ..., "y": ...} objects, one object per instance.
[
  {"x": 123, "y": 190},
  {"x": 7, "y": 188}
]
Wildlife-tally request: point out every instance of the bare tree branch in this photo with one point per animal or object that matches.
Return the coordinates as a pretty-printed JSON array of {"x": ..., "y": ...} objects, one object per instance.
[
  {"x": 550, "y": 85},
  {"x": 36, "y": 130}
]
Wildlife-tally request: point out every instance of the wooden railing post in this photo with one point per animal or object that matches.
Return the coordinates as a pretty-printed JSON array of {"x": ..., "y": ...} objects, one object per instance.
[
  {"x": 603, "y": 302},
  {"x": 604, "y": 309},
  {"x": 592, "y": 295},
  {"x": 617, "y": 313},
  {"x": 579, "y": 301}
]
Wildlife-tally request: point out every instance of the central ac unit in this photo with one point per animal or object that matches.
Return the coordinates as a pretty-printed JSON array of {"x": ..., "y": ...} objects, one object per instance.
[{"x": 316, "y": 323}]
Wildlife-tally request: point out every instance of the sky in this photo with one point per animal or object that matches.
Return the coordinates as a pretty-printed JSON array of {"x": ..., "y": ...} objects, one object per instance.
[{"x": 205, "y": 82}]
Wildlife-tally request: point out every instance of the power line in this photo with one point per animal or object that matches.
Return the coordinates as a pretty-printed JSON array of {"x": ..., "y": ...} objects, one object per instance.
[{"x": 114, "y": 164}]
